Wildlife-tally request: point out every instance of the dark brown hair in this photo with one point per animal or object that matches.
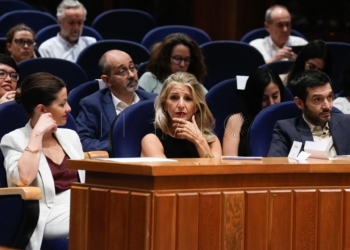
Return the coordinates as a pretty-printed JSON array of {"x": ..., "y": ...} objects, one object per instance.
[{"x": 11, "y": 34}]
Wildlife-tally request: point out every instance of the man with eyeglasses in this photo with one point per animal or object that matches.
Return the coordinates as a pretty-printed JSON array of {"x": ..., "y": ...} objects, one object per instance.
[
  {"x": 277, "y": 46},
  {"x": 99, "y": 110},
  {"x": 9, "y": 75},
  {"x": 68, "y": 43}
]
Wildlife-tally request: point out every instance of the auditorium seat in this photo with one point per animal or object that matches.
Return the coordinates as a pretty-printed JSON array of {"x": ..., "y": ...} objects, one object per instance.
[
  {"x": 262, "y": 32},
  {"x": 157, "y": 34}
]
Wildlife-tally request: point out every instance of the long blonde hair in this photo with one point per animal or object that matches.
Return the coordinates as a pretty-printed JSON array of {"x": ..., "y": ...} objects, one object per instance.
[{"x": 204, "y": 119}]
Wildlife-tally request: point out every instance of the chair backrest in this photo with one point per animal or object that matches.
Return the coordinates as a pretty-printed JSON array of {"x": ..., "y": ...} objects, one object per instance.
[
  {"x": 262, "y": 127},
  {"x": 88, "y": 59},
  {"x": 33, "y": 18},
  {"x": 52, "y": 30},
  {"x": 78, "y": 93},
  {"x": 131, "y": 126},
  {"x": 11, "y": 5},
  {"x": 339, "y": 53},
  {"x": 2, "y": 45},
  {"x": 157, "y": 34},
  {"x": 281, "y": 67},
  {"x": 227, "y": 59},
  {"x": 223, "y": 100},
  {"x": 141, "y": 69},
  {"x": 125, "y": 24},
  {"x": 68, "y": 71},
  {"x": 261, "y": 33}
]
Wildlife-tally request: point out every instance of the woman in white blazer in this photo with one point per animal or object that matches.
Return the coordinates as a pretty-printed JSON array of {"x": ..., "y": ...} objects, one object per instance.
[{"x": 36, "y": 154}]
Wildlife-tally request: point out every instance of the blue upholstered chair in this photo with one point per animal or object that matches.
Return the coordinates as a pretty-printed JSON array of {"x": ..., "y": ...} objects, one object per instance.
[
  {"x": 223, "y": 100},
  {"x": 125, "y": 24},
  {"x": 261, "y": 33},
  {"x": 11, "y": 5},
  {"x": 227, "y": 59},
  {"x": 262, "y": 128},
  {"x": 339, "y": 53},
  {"x": 88, "y": 59},
  {"x": 79, "y": 93},
  {"x": 131, "y": 126},
  {"x": 33, "y": 18},
  {"x": 141, "y": 69},
  {"x": 157, "y": 34},
  {"x": 281, "y": 67},
  {"x": 68, "y": 71},
  {"x": 52, "y": 30}
]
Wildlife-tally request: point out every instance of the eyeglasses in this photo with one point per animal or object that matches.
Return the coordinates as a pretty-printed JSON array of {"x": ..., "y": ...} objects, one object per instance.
[
  {"x": 13, "y": 75},
  {"x": 179, "y": 59},
  {"x": 312, "y": 66},
  {"x": 125, "y": 72},
  {"x": 22, "y": 42}
]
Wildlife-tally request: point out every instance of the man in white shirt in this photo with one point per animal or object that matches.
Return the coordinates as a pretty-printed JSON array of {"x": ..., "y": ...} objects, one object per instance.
[
  {"x": 99, "y": 110},
  {"x": 68, "y": 43},
  {"x": 314, "y": 96},
  {"x": 276, "y": 46}
]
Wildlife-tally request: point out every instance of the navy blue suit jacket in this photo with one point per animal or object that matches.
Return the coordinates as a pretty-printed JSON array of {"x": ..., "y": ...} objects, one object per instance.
[
  {"x": 95, "y": 118},
  {"x": 296, "y": 129}
]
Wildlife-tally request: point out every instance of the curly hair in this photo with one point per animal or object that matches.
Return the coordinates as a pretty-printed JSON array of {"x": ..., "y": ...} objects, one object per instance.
[
  {"x": 159, "y": 62},
  {"x": 204, "y": 119}
]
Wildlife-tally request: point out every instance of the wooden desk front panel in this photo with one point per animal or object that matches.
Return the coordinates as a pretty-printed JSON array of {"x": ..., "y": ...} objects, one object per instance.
[{"x": 226, "y": 218}]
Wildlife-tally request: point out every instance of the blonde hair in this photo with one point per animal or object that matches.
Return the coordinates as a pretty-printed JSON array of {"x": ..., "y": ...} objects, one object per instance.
[{"x": 204, "y": 119}]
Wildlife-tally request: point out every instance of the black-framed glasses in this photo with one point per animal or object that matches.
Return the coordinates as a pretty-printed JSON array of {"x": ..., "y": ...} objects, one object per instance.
[
  {"x": 23, "y": 42},
  {"x": 13, "y": 75},
  {"x": 179, "y": 59},
  {"x": 125, "y": 72}
]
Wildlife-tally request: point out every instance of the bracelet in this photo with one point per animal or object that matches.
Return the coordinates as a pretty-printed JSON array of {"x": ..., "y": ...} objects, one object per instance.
[
  {"x": 34, "y": 151},
  {"x": 209, "y": 156}
]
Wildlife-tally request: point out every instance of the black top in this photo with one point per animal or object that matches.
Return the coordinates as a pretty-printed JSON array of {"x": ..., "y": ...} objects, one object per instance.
[{"x": 176, "y": 148}]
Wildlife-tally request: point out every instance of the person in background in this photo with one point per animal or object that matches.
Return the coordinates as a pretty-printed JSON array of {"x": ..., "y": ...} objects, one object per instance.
[
  {"x": 315, "y": 55},
  {"x": 263, "y": 88},
  {"x": 99, "y": 110},
  {"x": 175, "y": 53},
  {"x": 277, "y": 46},
  {"x": 183, "y": 122},
  {"x": 68, "y": 43},
  {"x": 9, "y": 75},
  {"x": 36, "y": 155},
  {"x": 20, "y": 42}
]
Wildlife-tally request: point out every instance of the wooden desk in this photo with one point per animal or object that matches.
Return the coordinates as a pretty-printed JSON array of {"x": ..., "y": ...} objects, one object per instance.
[{"x": 209, "y": 204}]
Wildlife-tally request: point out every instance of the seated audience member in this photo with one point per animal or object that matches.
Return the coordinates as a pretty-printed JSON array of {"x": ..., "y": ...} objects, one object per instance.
[
  {"x": 36, "y": 154},
  {"x": 98, "y": 111},
  {"x": 263, "y": 88},
  {"x": 314, "y": 96},
  {"x": 176, "y": 53},
  {"x": 20, "y": 42},
  {"x": 68, "y": 43},
  {"x": 9, "y": 75},
  {"x": 276, "y": 46},
  {"x": 183, "y": 122},
  {"x": 343, "y": 102},
  {"x": 315, "y": 55}
]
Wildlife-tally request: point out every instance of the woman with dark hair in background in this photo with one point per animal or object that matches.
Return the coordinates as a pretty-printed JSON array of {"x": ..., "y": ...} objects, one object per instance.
[
  {"x": 9, "y": 75},
  {"x": 264, "y": 88},
  {"x": 36, "y": 154},
  {"x": 315, "y": 55},
  {"x": 20, "y": 42},
  {"x": 176, "y": 52}
]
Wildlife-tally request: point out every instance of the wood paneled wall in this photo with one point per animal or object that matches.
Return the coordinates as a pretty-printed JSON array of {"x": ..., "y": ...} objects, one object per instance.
[{"x": 257, "y": 218}]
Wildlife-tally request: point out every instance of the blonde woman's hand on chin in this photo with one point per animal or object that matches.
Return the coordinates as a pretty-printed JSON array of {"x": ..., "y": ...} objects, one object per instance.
[
  {"x": 8, "y": 96},
  {"x": 187, "y": 130}
]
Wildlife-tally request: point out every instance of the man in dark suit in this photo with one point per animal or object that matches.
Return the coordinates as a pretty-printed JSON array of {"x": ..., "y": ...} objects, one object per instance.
[
  {"x": 98, "y": 111},
  {"x": 314, "y": 96}
]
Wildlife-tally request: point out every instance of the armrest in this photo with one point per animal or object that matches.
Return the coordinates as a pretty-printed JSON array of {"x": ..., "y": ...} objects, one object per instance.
[
  {"x": 27, "y": 193},
  {"x": 96, "y": 154}
]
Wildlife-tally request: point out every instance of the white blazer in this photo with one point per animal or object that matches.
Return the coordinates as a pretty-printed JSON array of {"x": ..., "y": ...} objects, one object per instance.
[{"x": 13, "y": 145}]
